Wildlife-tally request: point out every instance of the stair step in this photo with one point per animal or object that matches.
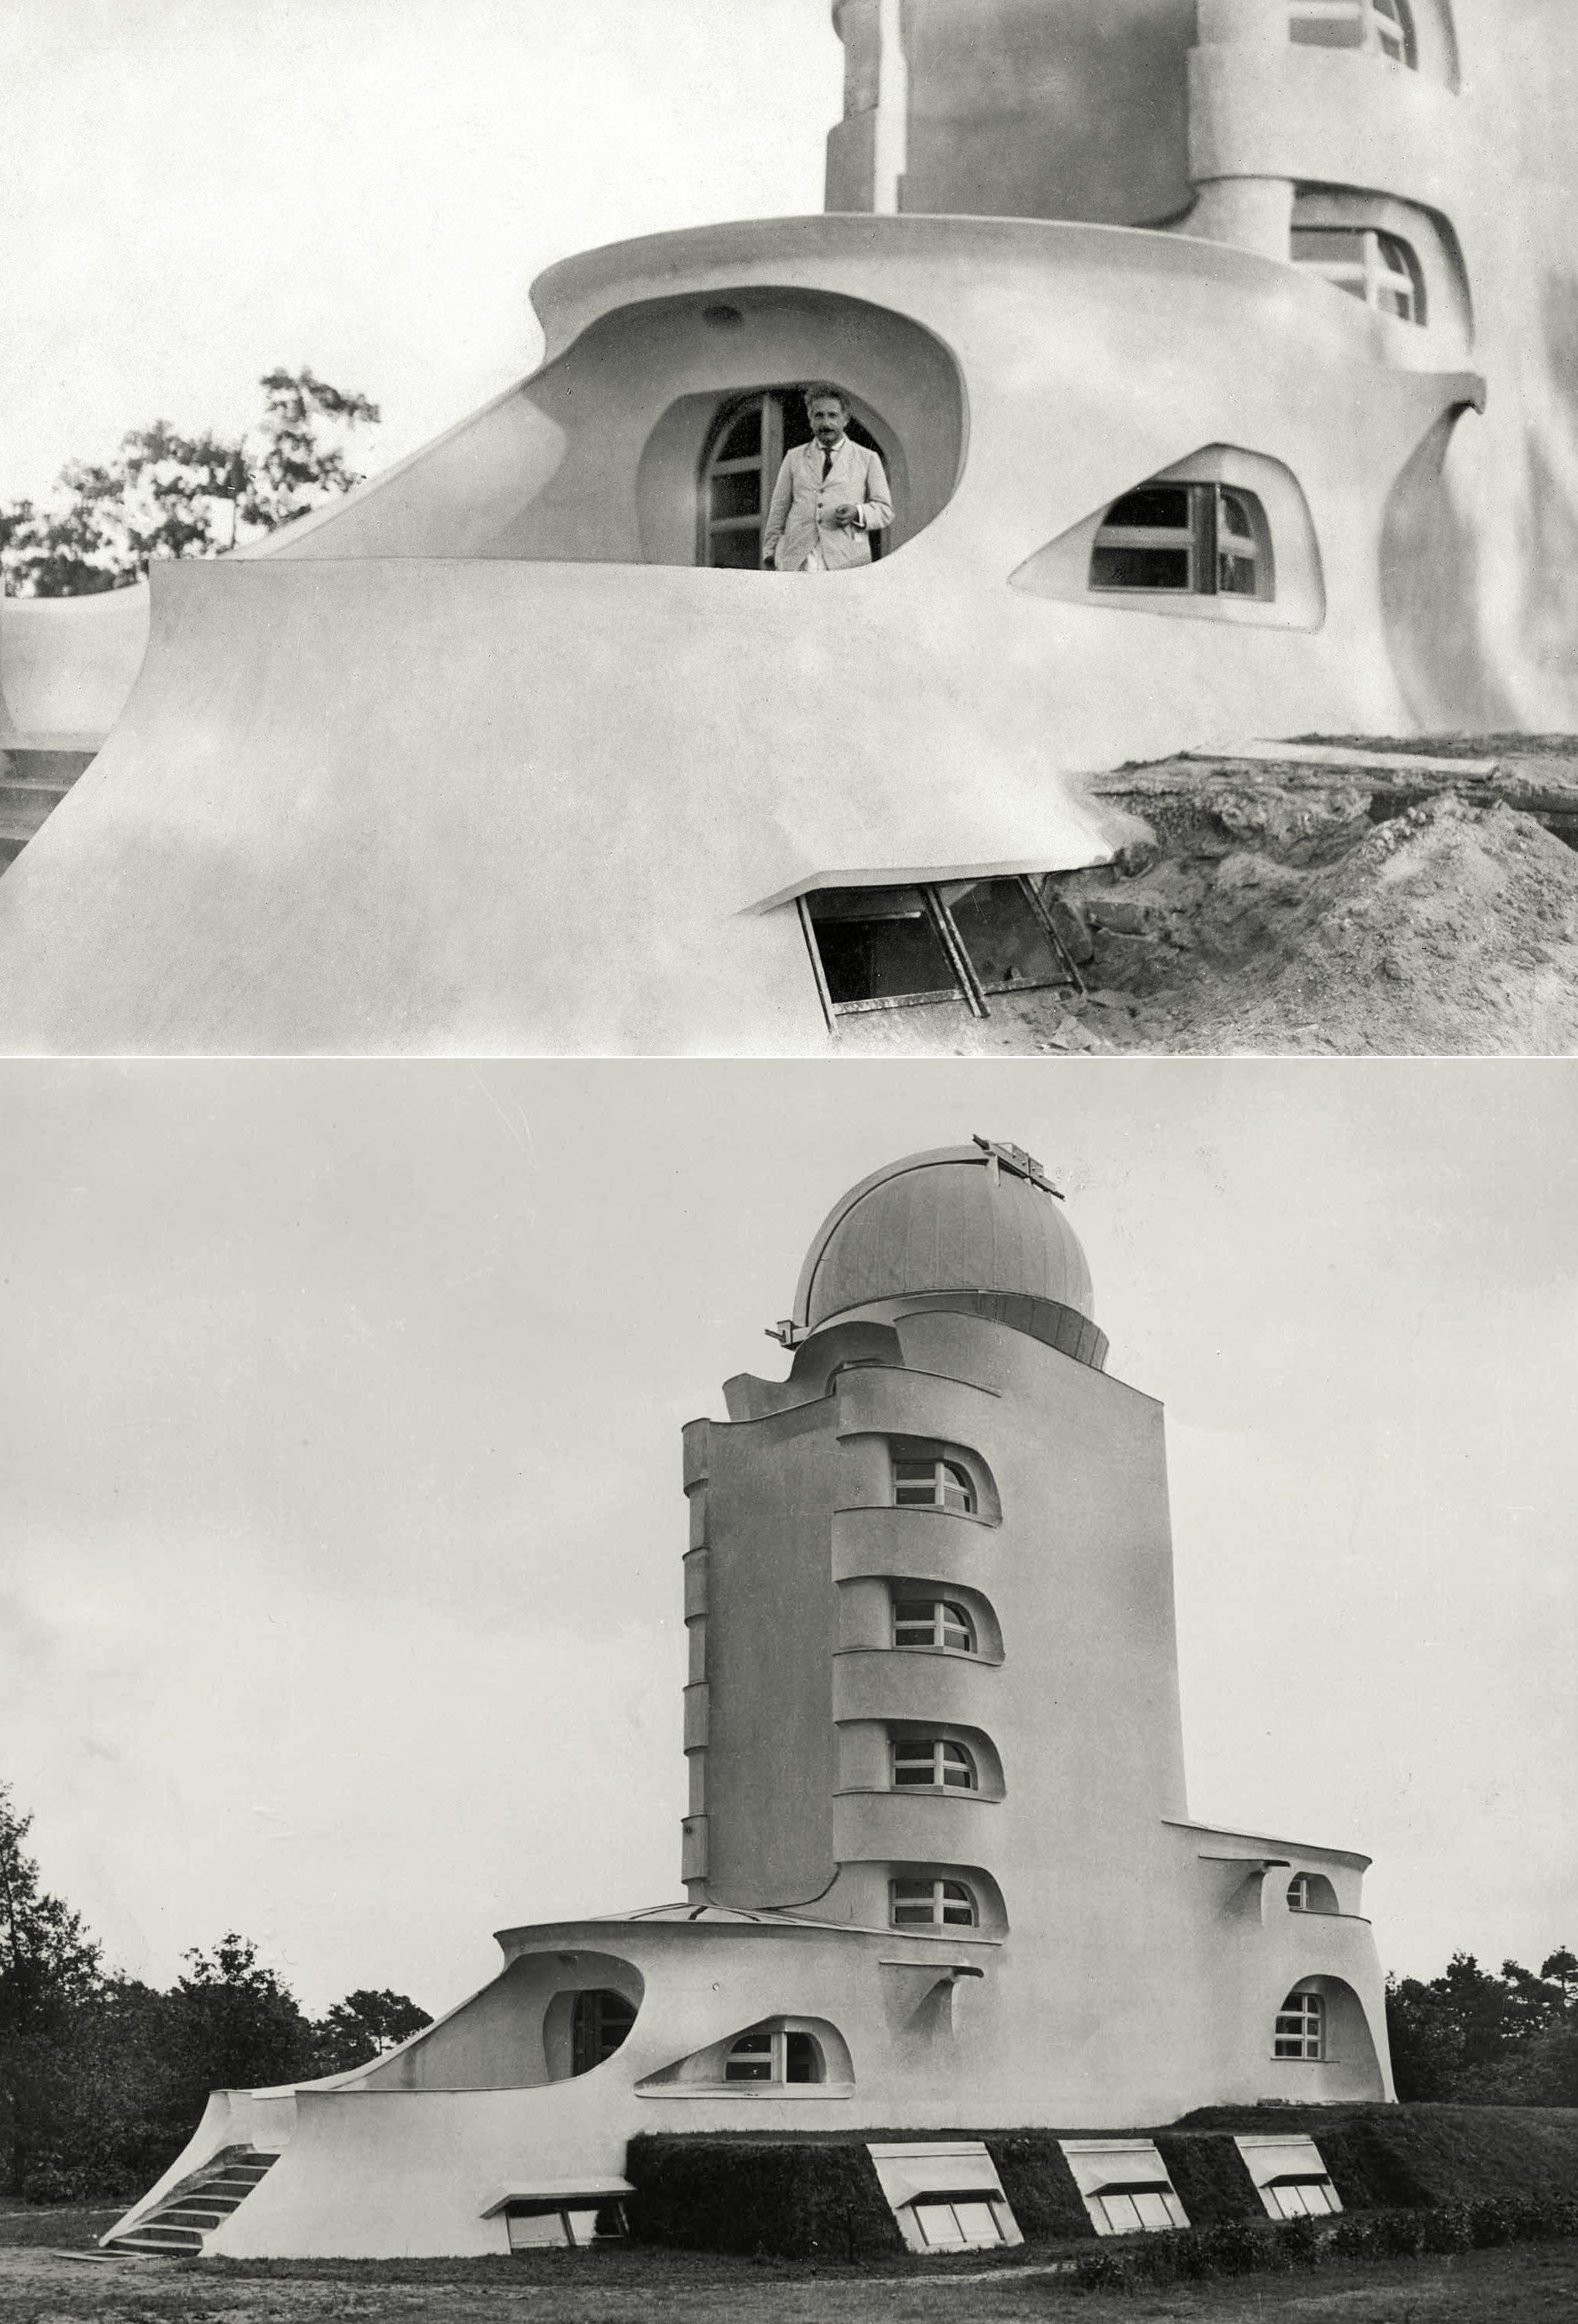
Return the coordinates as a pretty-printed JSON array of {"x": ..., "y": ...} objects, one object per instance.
[
  {"x": 160, "y": 2240},
  {"x": 44, "y": 765},
  {"x": 192, "y": 2214},
  {"x": 21, "y": 818},
  {"x": 25, "y": 786}
]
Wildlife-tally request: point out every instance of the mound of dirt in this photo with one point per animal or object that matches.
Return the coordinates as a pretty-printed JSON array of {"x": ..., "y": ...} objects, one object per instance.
[{"x": 1310, "y": 908}]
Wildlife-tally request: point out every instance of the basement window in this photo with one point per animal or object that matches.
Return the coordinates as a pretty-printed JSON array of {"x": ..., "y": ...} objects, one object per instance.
[
  {"x": 935, "y": 1622},
  {"x": 932, "y": 1905},
  {"x": 1301, "y": 2028},
  {"x": 1186, "y": 539},
  {"x": 906, "y": 947},
  {"x": 1380, "y": 269},
  {"x": 1124, "y": 2185},
  {"x": 1383, "y": 27},
  {"x": 946, "y": 2197},
  {"x": 557, "y": 2226},
  {"x": 1291, "y": 2177}
]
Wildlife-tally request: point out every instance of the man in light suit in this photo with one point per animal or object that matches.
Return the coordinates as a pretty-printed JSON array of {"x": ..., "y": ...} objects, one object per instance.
[{"x": 830, "y": 495}]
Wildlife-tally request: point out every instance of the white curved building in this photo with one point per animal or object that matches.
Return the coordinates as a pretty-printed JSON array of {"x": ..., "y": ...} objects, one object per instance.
[
  {"x": 1174, "y": 320},
  {"x": 941, "y": 1872}
]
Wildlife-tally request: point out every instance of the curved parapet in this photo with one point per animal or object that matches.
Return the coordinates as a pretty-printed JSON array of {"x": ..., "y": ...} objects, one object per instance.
[
  {"x": 67, "y": 664},
  {"x": 480, "y": 760}
]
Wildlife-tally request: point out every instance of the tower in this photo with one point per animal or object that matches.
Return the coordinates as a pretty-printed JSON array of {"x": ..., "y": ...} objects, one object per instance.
[{"x": 941, "y": 1875}]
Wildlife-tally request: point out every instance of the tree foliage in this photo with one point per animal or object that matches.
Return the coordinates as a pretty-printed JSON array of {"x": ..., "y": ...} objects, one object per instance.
[
  {"x": 1473, "y": 2037},
  {"x": 102, "y": 2079},
  {"x": 167, "y": 494}
]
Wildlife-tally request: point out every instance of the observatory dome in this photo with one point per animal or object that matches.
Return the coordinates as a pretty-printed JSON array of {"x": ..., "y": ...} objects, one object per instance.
[{"x": 981, "y": 1221}]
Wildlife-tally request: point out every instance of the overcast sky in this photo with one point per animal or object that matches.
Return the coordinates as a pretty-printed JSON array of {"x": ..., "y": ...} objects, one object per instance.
[
  {"x": 341, "y": 1496},
  {"x": 192, "y": 191}
]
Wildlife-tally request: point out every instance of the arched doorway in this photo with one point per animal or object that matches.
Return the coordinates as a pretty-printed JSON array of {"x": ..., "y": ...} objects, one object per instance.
[{"x": 739, "y": 469}]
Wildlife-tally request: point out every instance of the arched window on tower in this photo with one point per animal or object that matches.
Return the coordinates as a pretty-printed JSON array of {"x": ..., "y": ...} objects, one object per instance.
[
  {"x": 744, "y": 453},
  {"x": 934, "y": 1485},
  {"x": 1380, "y": 269},
  {"x": 940, "y": 1624},
  {"x": 1301, "y": 2027},
  {"x": 932, "y": 1905},
  {"x": 929, "y": 1763},
  {"x": 1383, "y": 27}
]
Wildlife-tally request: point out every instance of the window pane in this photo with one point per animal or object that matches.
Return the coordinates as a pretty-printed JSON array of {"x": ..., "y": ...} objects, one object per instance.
[
  {"x": 1328, "y": 245},
  {"x": 957, "y": 1766},
  {"x": 736, "y": 552},
  {"x": 938, "y": 2227},
  {"x": 544, "y": 2232},
  {"x": 914, "y": 1764},
  {"x": 739, "y": 494},
  {"x": 1238, "y": 576},
  {"x": 1153, "y": 2211},
  {"x": 1139, "y": 568},
  {"x": 958, "y": 1630},
  {"x": 802, "y": 2059},
  {"x": 958, "y": 1906},
  {"x": 915, "y": 1622},
  {"x": 958, "y": 1492},
  {"x": 1235, "y": 516},
  {"x": 881, "y": 947},
  {"x": 1122, "y": 2217},
  {"x": 743, "y": 441},
  {"x": 1006, "y": 942},
  {"x": 1154, "y": 506},
  {"x": 978, "y": 2222}
]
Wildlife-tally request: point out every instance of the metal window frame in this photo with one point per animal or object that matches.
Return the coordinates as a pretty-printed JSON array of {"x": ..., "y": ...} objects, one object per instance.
[
  {"x": 939, "y": 1903},
  {"x": 935, "y": 1747},
  {"x": 969, "y": 987},
  {"x": 938, "y": 1642},
  {"x": 1368, "y": 17},
  {"x": 1203, "y": 537}
]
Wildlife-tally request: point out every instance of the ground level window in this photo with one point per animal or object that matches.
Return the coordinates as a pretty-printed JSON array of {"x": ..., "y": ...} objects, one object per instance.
[
  {"x": 774, "y": 2056},
  {"x": 1301, "y": 2027},
  {"x": 931, "y": 1905},
  {"x": 957, "y": 940},
  {"x": 559, "y": 2226},
  {"x": 598, "y": 2025},
  {"x": 1385, "y": 27},
  {"x": 1380, "y": 269},
  {"x": 1186, "y": 539},
  {"x": 1140, "y": 2209},
  {"x": 1300, "y": 2198},
  {"x": 965, "y": 2223},
  {"x": 935, "y": 1622}
]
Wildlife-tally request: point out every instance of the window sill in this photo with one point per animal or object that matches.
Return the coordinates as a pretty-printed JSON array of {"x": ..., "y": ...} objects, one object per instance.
[
  {"x": 938, "y": 1654},
  {"x": 954, "y": 1516},
  {"x": 797, "y": 2093},
  {"x": 917, "y": 1791}
]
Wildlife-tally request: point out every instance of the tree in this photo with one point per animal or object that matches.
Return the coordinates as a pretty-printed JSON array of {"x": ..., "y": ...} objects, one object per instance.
[
  {"x": 361, "y": 2026},
  {"x": 1479, "y": 2039},
  {"x": 161, "y": 495},
  {"x": 48, "y": 1969}
]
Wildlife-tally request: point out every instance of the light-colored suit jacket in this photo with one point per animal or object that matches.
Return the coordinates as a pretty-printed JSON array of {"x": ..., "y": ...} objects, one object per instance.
[{"x": 794, "y": 520}]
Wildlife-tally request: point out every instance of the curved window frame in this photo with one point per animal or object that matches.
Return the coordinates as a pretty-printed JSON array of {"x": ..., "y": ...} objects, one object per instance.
[
  {"x": 779, "y": 2048},
  {"x": 774, "y": 437},
  {"x": 596, "y": 2030},
  {"x": 1222, "y": 542},
  {"x": 1311, "y": 1892},
  {"x": 931, "y": 1763},
  {"x": 1300, "y": 2033},
  {"x": 1381, "y": 28},
  {"x": 938, "y": 1625},
  {"x": 951, "y": 1486},
  {"x": 950, "y": 1903},
  {"x": 1384, "y": 274}
]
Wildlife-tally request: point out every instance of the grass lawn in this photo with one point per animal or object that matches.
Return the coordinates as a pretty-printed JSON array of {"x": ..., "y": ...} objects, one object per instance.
[{"x": 1531, "y": 2285}]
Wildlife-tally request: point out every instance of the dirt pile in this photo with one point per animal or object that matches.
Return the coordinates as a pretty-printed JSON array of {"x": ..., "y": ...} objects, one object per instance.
[{"x": 1346, "y": 903}]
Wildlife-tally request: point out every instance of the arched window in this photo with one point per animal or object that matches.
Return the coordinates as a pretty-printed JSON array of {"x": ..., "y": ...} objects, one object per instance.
[
  {"x": 744, "y": 456},
  {"x": 932, "y": 1905},
  {"x": 936, "y": 1622},
  {"x": 1186, "y": 539},
  {"x": 599, "y": 2023},
  {"x": 1384, "y": 27},
  {"x": 775, "y": 2055},
  {"x": 934, "y": 1485},
  {"x": 1311, "y": 1892},
  {"x": 1380, "y": 269},
  {"x": 929, "y": 1763},
  {"x": 1301, "y": 2027}
]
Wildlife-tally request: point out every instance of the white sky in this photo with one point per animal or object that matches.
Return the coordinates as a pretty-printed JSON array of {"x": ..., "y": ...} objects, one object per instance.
[
  {"x": 192, "y": 191},
  {"x": 342, "y": 1521}
]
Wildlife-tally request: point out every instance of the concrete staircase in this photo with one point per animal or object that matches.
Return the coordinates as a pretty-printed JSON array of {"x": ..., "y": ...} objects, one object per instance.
[
  {"x": 34, "y": 778},
  {"x": 178, "y": 2226}
]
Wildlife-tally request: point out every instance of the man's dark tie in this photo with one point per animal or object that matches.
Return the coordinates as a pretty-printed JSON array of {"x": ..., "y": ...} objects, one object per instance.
[{"x": 827, "y": 466}]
